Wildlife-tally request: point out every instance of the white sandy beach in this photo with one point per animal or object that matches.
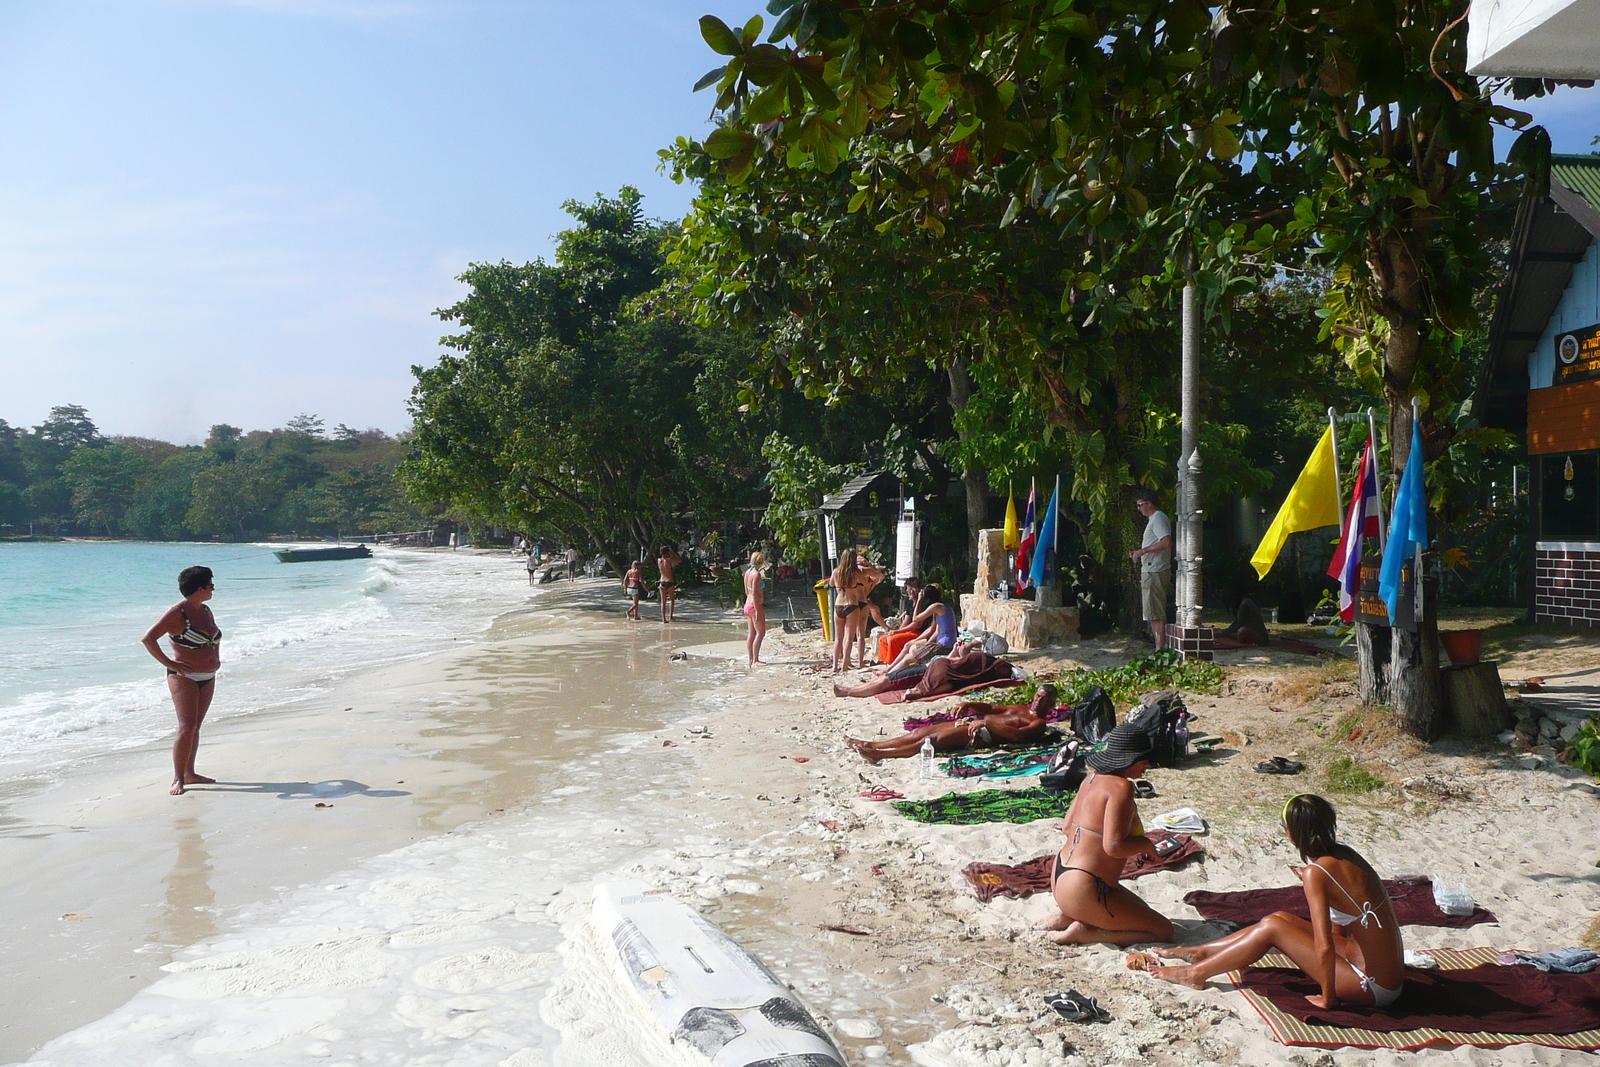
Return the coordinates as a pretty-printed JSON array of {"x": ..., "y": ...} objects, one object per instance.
[{"x": 433, "y": 928}]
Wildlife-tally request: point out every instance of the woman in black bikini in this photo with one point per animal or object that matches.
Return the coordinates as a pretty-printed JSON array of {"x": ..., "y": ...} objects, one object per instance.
[
  {"x": 1103, "y": 831},
  {"x": 1351, "y": 946},
  {"x": 191, "y": 669},
  {"x": 851, "y": 596}
]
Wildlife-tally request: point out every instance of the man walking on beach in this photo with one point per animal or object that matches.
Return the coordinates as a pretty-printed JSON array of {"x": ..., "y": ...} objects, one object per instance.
[
  {"x": 1155, "y": 565},
  {"x": 669, "y": 595}
]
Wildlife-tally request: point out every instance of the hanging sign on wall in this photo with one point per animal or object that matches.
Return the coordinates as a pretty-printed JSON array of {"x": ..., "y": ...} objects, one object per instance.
[{"x": 1578, "y": 354}]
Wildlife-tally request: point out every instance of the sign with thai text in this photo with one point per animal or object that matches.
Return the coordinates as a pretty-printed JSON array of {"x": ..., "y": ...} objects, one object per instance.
[{"x": 1578, "y": 354}]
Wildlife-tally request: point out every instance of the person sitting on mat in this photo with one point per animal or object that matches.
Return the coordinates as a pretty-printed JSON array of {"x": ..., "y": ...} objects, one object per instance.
[
  {"x": 993, "y": 724},
  {"x": 1352, "y": 945},
  {"x": 938, "y": 625},
  {"x": 1103, "y": 832}
]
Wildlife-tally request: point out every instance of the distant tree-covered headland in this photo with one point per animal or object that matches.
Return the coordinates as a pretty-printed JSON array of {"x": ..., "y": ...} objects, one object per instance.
[{"x": 64, "y": 476}]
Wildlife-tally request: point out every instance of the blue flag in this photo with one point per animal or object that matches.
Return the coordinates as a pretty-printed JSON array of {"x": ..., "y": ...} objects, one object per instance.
[
  {"x": 1408, "y": 529},
  {"x": 1043, "y": 571}
]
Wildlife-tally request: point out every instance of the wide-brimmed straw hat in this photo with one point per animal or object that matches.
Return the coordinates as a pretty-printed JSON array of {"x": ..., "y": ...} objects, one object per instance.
[{"x": 1124, "y": 746}]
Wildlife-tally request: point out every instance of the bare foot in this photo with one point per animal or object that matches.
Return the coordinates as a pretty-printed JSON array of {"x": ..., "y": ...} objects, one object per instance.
[
  {"x": 176, "y": 790},
  {"x": 199, "y": 779},
  {"x": 1076, "y": 933},
  {"x": 1060, "y": 922},
  {"x": 862, "y": 748},
  {"x": 1180, "y": 975}
]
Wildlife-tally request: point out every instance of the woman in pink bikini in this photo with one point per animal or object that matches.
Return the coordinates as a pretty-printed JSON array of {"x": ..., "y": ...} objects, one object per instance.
[
  {"x": 191, "y": 669},
  {"x": 1352, "y": 944},
  {"x": 755, "y": 606}
]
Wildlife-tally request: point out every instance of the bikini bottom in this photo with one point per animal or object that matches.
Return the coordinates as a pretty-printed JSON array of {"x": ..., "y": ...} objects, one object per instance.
[
  {"x": 750, "y": 610},
  {"x": 1382, "y": 996},
  {"x": 1102, "y": 888},
  {"x": 199, "y": 678},
  {"x": 844, "y": 611}
]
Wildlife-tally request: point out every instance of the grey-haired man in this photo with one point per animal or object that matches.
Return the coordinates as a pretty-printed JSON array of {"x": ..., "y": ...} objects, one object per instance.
[{"x": 1154, "y": 556}]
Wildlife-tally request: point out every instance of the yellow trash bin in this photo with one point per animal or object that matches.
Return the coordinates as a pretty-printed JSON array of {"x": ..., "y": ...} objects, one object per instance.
[{"x": 823, "y": 597}]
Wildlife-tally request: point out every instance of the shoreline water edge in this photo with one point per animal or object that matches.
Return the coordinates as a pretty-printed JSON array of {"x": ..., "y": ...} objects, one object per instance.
[{"x": 418, "y": 890}]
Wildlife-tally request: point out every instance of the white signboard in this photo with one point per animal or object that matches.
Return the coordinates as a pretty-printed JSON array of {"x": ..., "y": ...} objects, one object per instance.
[
  {"x": 833, "y": 537},
  {"x": 905, "y": 549}
]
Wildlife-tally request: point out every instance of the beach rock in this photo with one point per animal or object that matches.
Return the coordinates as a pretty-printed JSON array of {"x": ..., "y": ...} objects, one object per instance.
[
  {"x": 860, "y": 1029},
  {"x": 1531, "y": 762},
  {"x": 876, "y": 1052},
  {"x": 1567, "y": 734}
]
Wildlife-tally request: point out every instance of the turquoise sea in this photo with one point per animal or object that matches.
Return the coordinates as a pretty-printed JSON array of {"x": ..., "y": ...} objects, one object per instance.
[{"x": 75, "y": 681}]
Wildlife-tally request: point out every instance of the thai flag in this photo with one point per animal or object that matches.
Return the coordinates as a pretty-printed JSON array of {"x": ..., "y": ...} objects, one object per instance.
[
  {"x": 1030, "y": 535},
  {"x": 1360, "y": 522}
]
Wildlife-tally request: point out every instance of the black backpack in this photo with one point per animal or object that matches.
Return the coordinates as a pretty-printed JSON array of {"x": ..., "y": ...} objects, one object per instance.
[
  {"x": 1067, "y": 768},
  {"x": 1164, "y": 717},
  {"x": 1093, "y": 715}
]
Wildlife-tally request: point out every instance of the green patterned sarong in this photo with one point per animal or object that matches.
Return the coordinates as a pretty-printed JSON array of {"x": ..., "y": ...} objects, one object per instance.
[{"x": 988, "y": 805}]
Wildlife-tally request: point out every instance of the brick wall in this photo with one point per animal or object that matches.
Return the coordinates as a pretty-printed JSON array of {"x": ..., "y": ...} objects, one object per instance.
[{"x": 1566, "y": 583}]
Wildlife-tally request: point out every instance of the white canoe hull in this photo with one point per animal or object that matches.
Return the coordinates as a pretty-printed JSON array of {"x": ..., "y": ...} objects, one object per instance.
[{"x": 704, "y": 990}]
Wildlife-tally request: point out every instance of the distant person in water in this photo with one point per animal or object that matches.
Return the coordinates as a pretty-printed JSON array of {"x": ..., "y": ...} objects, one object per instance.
[
  {"x": 993, "y": 724},
  {"x": 755, "y": 606},
  {"x": 191, "y": 669},
  {"x": 667, "y": 583}
]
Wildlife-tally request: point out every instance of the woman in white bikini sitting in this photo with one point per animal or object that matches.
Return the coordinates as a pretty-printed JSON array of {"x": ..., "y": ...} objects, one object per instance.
[
  {"x": 191, "y": 669},
  {"x": 1352, "y": 944},
  {"x": 1103, "y": 831}
]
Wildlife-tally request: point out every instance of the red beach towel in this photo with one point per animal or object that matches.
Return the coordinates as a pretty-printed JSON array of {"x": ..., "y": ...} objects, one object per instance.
[
  {"x": 1413, "y": 905},
  {"x": 1469, "y": 1001},
  {"x": 990, "y": 880}
]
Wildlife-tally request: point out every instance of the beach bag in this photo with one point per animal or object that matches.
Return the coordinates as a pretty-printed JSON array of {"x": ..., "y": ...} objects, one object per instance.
[
  {"x": 1093, "y": 715},
  {"x": 1067, "y": 770},
  {"x": 1164, "y": 717}
]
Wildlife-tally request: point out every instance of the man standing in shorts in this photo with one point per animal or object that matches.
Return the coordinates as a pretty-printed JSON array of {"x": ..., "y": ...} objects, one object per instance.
[{"x": 1155, "y": 564}]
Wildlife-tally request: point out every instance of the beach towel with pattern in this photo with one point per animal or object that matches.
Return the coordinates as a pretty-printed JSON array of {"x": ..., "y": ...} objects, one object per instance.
[
  {"x": 988, "y": 805},
  {"x": 1013, "y": 763},
  {"x": 1469, "y": 1000}
]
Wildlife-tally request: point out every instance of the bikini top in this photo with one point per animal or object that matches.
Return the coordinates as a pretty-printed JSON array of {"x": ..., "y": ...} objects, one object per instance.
[
  {"x": 1341, "y": 918},
  {"x": 192, "y": 638}
]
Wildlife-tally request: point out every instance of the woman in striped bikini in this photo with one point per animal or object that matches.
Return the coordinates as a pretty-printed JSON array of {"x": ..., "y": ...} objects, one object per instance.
[{"x": 191, "y": 669}]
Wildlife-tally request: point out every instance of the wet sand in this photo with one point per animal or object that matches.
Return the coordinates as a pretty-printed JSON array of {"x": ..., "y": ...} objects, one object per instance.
[{"x": 396, "y": 757}]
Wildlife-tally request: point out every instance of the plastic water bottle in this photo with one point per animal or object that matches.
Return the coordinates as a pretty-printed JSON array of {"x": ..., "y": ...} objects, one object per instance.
[{"x": 926, "y": 769}]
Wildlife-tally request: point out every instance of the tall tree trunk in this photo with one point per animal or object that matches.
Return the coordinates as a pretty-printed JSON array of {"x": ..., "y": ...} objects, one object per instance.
[
  {"x": 1414, "y": 685},
  {"x": 974, "y": 477},
  {"x": 1373, "y": 655}
]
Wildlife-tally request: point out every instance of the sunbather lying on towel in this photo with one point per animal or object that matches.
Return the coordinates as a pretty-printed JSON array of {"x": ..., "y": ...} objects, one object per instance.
[
  {"x": 988, "y": 725},
  {"x": 967, "y": 666},
  {"x": 1352, "y": 944},
  {"x": 1103, "y": 831}
]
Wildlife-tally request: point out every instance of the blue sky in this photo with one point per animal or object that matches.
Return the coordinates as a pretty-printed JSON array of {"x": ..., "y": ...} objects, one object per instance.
[{"x": 241, "y": 210}]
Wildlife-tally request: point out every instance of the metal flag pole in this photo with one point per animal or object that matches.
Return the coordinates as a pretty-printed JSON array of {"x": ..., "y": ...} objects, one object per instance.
[
  {"x": 1416, "y": 565},
  {"x": 1377, "y": 473},
  {"x": 1338, "y": 486},
  {"x": 1055, "y": 532}
]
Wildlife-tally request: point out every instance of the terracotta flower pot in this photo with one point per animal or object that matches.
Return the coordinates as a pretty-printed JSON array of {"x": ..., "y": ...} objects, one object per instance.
[{"x": 1462, "y": 646}]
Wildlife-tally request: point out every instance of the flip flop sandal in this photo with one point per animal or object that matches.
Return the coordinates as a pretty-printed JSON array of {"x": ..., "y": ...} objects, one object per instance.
[
  {"x": 881, "y": 792},
  {"x": 1143, "y": 790},
  {"x": 1076, "y": 1007},
  {"x": 1279, "y": 765}
]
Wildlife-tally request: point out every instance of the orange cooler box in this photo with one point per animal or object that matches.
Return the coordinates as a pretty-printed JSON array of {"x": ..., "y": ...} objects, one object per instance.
[{"x": 889, "y": 645}]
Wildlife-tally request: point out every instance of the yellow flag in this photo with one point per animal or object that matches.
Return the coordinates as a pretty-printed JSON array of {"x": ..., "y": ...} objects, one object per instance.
[
  {"x": 1313, "y": 502},
  {"x": 1013, "y": 531}
]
